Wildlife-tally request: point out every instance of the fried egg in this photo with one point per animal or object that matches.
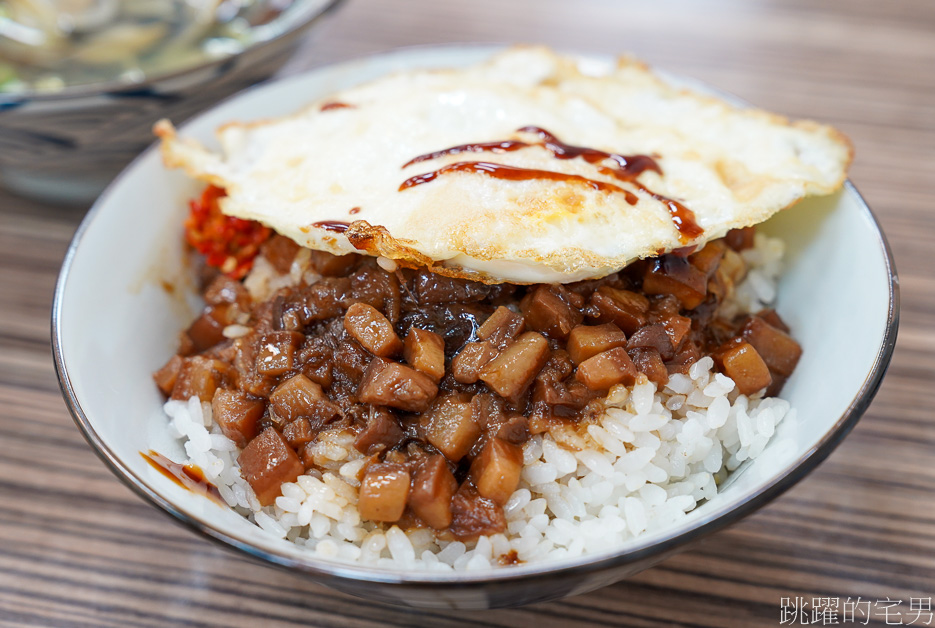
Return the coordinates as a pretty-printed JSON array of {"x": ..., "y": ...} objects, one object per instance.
[{"x": 526, "y": 168}]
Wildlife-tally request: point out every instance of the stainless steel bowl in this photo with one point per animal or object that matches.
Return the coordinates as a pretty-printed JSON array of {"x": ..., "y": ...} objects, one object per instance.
[{"x": 68, "y": 145}]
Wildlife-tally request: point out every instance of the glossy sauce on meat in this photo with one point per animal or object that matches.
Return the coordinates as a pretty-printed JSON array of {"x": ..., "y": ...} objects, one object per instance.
[{"x": 442, "y": 380}]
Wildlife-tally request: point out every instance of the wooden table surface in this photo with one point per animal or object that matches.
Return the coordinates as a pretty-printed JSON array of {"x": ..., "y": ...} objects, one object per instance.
[{"x": 77, "y": 548}]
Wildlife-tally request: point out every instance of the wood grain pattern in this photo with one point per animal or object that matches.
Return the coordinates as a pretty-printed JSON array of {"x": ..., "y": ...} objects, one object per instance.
[{"x": 79, "y": 549}]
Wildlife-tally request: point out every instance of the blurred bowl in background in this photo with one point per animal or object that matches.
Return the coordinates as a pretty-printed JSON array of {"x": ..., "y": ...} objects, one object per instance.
[{"x": 66, "y": 144}]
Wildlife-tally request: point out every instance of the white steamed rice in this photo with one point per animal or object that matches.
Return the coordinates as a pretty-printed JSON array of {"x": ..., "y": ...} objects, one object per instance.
[{"x": 649, "y": 460}]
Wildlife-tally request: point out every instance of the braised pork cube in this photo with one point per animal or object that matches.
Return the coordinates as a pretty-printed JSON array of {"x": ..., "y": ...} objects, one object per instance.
[
  {"x": 425, "y": 351},
  {"x": 280, "y": 252},
  {"x": 199, "y": 376},
  {"x": 586, "y": 341},
  {"x": 625, "y": 309},
  {"x": 673, "y": 274},
  {"x": 511, "y": 372},
  {"x": 237, "y": 414},
  {"x": 553, "y": 388},
  {"x": 208, "y": 329},
  {"x": 653, "y": 337},
  {"x": 329, "y": 265},
  {"x": 649, "y": 362},
  {"x": 740, "y": 239},
  {"x": 473, "y": 515},
  {"x": 772, "y": 318},
  {"x": 267, "y": 462},
  {"x": 224, "y": 289},
  {"x": 374, "y": 286},
  {"x": 777, "y": 348},
  {"x": 515, "y": 429},
  {"x": 740, "y": 361},
  {"x": 350, "y": 360},
  {"x": 166, "y": 376},
  {"x": 687, "y": 355},
  {"x": 387, "y": 383},
  {"x": 383, "y": 492},
  {"x": 316, "y": 358},
  {"x": 433, "y": 485},
  {"x": 299, "y": 432},
  {"x": 277, "y": 352},
  {"x": 372, "y": 330},
  {"x": 488, "y": 410},
  {"x": 708, "y": 258},
  {"x": 450, "y": 426},
  {"x": 473, "y": 357},
  {"x": 381, "y": 432},
  {"x": 501, "y": 327},
  {"x": 432, "y": 288},
  {"x": 546, "y": 311},
  {"x": 677, "y": 327},
  {"x": 496, "y": 470},
  {"x": 299, "y": 396},
  {"x": 607, "y": 369}
]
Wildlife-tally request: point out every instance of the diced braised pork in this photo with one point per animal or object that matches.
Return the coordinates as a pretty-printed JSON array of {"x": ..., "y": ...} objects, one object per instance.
[
  {"x": 433, "y": 486},
  {"x": 625, "y": 309},
  {"x": 545, "y": 310},
  {"x": 383, "y": 492},
  {"x": 199, "y": 377},
  {"x": 511, "y": 372},
  {"x": 299, "y": 432},
  {"x": 466, "y": 366},
  {"x": 481, "y": 368},
  {"x": 496, "y": 470},
  {"x": 607, "y": 369},
  {"x": 280, "y": 251},
  {"x": 501, "y": 327},
  {"x": 673, "y": 274},
  {"x": 208, "y": 329},
  {"x": 330, "y": 265},
  {"x": 780, "y": 352},
  {"x": 741, "y": 362},
  {"x": 237, "y": 414},
  {"x": 299, "y": 396},
  {"x": 740, "y": 239},
  {"x": 277, "y": 351},
  {"x": 372, "y": 330},
  {"x": 267, "y": 462},
  {"x": 381, "y": 432},
  {"x": 166, "y": 376},
  {"x": 224, "y": 289},
  {"x": 450, "y": 427},
  {"x": 473, "y": 515},
  {"x": 648, "y": 361},
  {"x": 386, "y": 383},
  {"x": 653, "y": 337},
  {"x": 425, "y": 351},
  {"x": 586, "y": 341}
]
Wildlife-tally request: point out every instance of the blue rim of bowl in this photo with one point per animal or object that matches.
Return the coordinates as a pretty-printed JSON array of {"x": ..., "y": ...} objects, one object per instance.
[
  {"x": 640, "y": 551},
  {"x": 87, "y": 90}
]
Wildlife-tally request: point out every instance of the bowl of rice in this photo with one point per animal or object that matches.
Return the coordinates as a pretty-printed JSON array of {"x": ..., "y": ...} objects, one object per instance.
[{"x": 662, "y": 464}]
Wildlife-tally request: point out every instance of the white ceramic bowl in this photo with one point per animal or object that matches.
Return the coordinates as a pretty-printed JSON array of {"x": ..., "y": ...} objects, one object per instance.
[
  {"x": 66, "y": 146},
  {"x": 114, "y": 322}
]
